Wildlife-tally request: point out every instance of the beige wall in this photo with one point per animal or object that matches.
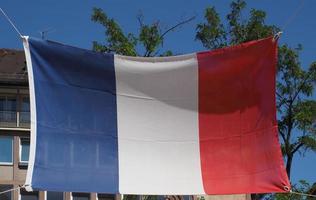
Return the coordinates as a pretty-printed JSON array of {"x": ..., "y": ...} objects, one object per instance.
[
  {"x": 13, "y": 174},
  {"x": 6, "y": 174}
]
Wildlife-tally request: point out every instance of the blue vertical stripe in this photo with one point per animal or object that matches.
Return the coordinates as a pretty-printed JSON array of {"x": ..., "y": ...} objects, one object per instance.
[{"x": 77, "y": 147}]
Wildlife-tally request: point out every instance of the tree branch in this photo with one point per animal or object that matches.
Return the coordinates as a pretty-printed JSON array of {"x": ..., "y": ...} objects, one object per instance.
[
  {"x": 299, "y": 145},
  {"x": 301, "y": 86},
  {"x": 140, "y": 19},
  {"x": 176, "y": 26},
  {"x": 282, "y": 100},
  {"x": 173, "y": 28},
  {"x": 289, "y": 122},
  {"x": 282, "y": 135}
]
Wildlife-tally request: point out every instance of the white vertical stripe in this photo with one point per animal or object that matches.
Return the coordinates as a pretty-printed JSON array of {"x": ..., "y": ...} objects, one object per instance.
[
  {"x": 157, "y": 110},
  {"x": 33, "y": 114}
]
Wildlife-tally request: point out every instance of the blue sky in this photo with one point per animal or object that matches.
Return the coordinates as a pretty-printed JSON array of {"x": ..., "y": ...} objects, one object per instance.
[{"x": 70, "y": 23}]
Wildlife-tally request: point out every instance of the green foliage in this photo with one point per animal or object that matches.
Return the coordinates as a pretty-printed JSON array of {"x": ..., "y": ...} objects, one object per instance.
[
  {"x": 130, "y": 197},
  {"x": 305, "y": 115},
  {"x": 167, "y": 53},
  {"x": 236, "y": 26},
  {"x": 212, "y": 32},
  {"x": 142, "y": 197},
  {"x": 150, "y": 37},
  {"x": 116, "y": 40},
  {"x": 309, "y": 142},
  {"x": 297, "y": 110}
]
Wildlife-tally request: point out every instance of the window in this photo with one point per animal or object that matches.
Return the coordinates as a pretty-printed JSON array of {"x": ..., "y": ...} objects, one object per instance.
[
  {"x": 7, "y": 195},
  {"x": 25, "y": 112},
  {"x": 24, "y": 149},
  {"x": 6, "y": 150},
  {"x": 2, "y": 103},
  {"x": 80, "y": 196},
  {"x": 25, "y": 104},
  {"x": 106, "y": 197},
  {"x": 28, "y": 195},
  {"x": 8, "y": 110},
  {"x": 8, "y": 103},
  {"x": 54, "y": 195}
]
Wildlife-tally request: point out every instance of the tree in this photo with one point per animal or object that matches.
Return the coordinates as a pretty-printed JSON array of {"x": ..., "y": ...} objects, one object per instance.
[
  {"x": 297, "y": 120},
  {"x": 150, "y": 36},
  {"x": 213, "y": 34},
  {"x": 296, "y": 108}
]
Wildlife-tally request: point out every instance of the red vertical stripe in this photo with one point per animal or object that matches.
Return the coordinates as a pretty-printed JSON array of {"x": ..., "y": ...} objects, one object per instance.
[{"x": 239, "y": 147}]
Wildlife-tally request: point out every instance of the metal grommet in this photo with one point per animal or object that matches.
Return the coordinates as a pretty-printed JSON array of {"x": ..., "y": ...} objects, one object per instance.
[
  {"x": 286, "y": 188},
  {"x": 277, "y": 36}
]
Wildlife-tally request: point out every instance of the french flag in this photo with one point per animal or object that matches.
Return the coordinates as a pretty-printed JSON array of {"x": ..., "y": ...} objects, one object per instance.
[{"x": 201, "y": 123}]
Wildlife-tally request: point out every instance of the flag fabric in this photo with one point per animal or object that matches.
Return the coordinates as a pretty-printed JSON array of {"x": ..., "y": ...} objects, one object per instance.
[{"x": 201, "y": 123}]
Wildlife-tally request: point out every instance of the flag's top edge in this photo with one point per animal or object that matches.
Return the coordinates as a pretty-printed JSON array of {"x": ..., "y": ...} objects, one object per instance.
[
  {"x": 164, "y": 58},
  {"x": 158, "y": 59},
  {"x": 238, "y": 46}
]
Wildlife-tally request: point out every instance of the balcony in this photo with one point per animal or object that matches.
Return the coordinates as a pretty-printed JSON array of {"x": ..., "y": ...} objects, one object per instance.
[{"x": 11, "y": 119}]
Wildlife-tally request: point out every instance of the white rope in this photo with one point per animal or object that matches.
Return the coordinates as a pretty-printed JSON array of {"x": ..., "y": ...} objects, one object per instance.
[
  {"x": 13, "y": 189},
  {"x": 302, "y": 194},
  {"x": 9, "y": 20},
  {"x": 294, "y": 15}
]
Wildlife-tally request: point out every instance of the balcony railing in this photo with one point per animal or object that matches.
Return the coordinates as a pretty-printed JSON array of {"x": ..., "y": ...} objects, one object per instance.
[
  {"x": 24, "y": 119},
  {"x": 11, "y": 119}
]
